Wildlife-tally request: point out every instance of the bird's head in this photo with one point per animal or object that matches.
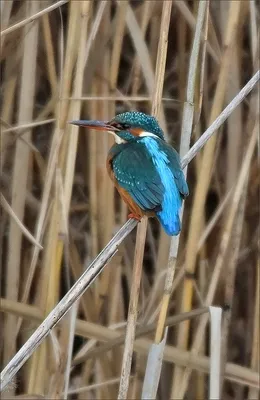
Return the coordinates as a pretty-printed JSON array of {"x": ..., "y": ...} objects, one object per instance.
[{"x": 127, "y": 127}]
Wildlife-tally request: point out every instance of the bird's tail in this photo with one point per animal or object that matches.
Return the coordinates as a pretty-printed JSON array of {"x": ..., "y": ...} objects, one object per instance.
[{"x": 172, "y": 226}]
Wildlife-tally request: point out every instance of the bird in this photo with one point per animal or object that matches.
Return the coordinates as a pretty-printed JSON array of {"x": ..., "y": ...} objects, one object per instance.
[{"x": 144, "y": 168}]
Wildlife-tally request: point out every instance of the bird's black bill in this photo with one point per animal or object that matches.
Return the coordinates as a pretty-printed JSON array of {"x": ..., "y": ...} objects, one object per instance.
[{"x": 93, "y": 124}]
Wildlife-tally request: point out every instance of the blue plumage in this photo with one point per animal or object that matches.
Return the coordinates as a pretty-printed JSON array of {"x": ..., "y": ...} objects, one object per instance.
[
  {"x": 171, "y": 203},
  {"x": 149, "y": 169},
  {"x": 146, "y": 170},
  {"x": 134, "y": 171}
]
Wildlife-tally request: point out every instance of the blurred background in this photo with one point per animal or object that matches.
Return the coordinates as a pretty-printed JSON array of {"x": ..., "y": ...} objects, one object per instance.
[{"x": 95, "y": 59}]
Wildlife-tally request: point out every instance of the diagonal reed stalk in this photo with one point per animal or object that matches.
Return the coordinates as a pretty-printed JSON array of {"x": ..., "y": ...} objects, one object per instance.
[
  {"x": 33, "y": 17},
  {"x": 227, "y": 231},
  {"x": 120, "y": 53},
  {"x": 89, "y": 330},
  {"x": 107, "y": 253}
]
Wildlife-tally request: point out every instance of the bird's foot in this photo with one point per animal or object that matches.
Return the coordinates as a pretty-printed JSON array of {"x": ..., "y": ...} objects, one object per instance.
[{"x": 134, "y": 216}]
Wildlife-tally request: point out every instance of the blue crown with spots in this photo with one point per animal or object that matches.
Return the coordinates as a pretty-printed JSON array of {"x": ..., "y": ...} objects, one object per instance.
[{"x": 140, "y": 120}]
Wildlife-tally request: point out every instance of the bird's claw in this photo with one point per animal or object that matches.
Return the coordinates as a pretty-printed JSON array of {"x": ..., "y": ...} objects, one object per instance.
[{"x": 134, "y": 216}]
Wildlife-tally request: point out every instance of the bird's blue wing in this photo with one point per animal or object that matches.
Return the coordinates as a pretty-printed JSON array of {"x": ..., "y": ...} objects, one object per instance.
[
  {"x": 135, "y": 172},
  {"x": 175, "y": 165},
  {"x": 150, "y": 172}
]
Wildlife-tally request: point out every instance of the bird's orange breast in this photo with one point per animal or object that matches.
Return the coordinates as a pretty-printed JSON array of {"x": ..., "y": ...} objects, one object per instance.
[{"x": 135, "y": 209}]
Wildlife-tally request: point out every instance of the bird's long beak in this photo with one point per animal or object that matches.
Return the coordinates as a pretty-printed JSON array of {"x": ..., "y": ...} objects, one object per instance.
[{"x": 93, "y": 124}]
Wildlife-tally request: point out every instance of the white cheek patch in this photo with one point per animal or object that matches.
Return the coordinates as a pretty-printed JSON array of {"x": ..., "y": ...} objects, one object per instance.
[
  {"x": 146, "y": 134},
  {"x": 117, "y": 138}
]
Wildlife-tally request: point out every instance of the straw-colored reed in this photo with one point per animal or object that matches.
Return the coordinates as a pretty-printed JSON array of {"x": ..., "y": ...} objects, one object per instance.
[{"x": 182, "y": 61}]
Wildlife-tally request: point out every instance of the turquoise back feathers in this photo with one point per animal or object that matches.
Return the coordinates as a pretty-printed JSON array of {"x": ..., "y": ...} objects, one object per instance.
[
  {"x": 149, "y": 170},
  {"x": 145, "y": 169}
]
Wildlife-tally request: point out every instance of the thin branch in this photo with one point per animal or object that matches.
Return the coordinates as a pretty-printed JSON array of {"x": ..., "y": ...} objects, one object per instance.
[
  {"x": 13, "y": 215},
  {"x": 133, "y": 310},
  {"x": 220, "y": 119},
  {"x": 140, "y": 331},
  {"x": 121, "y": 98},
  {"x": 65, "y": 304},
  {"x": 187, "y": 122},
  {"x": 88, "y": 330},
  {"x": 29, "y": 125},
  {"x": 33, "y": 17},
  {"x": 223, "y": 248}
]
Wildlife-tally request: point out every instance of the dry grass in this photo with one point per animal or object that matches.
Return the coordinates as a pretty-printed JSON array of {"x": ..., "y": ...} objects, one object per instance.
[{"x": 62, "y": 60}]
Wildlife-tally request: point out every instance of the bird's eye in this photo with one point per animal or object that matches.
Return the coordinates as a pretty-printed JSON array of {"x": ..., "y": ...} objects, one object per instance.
[
  {"x": 125, "y": 126},
  {"x": 120, "y": 126}
]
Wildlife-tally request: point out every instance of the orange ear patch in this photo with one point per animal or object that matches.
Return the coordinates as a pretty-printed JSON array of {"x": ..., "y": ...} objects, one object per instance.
[{"x": 136, "y": 131}]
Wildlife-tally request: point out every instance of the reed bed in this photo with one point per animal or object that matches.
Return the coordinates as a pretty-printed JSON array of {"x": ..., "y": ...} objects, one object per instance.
[{"x": 184, "y": 62}]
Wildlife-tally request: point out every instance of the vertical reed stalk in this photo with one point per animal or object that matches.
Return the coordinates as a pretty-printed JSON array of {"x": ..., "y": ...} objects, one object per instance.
[
  {"x": 140, "y": 239},
  {"x": 88, "y": 60},
  {"x": 227, "y": 231},
  {"x": 20, "y": 176},
  {"x": 203, "y": 183}
]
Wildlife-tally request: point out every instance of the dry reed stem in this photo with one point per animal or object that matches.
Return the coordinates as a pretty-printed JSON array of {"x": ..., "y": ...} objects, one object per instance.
[
  {"x": 7, "y": 108},
  {"x": 215, "y": 352},
  {"x": 151, "y": 303},
  {"x": 52, "y": 73},
  {"x": 172, "y": 354},
  {"x": 92, "y": 178},
  {"x": 68, "y": 325},
  {"x": 144, "y": 58},
  {"x": 15, "y": 364},
  {"x": 6, "y": 9},
  {"x": 253, "y": 29},
  {"x": 203, "y": 184},
  {"x": 191, "y": 21},
  {"x": 76, "y": 269},
  {"x": 75, "y": 292},
  {"x": 112, "y": 290},
  {"x": 56, "y": 140},
  {"x": 19, "y": 179},
  {"x": 221, "y": 256},
  {"x": 19, "y": 223},
  {"x": 97, "y": 371},
  {"x": 8, "y": 102},
  {"x": 94, "y": 386},
  {"x": 231, "y": 262},
  {"x": 33, "y": 17},
  {"x": 182, "y": 67},
  {"x": 105, "y": 188},
  {"x": 117, "y": 45},
  {"x": 26, "y": 126},
  {"x": 133, "y": 310},
  {"x": 254, "y": 392},
  {"x": 136, "y": 72},
  {"x": 203, "y": 65},
  {"x": 53, "y": 250},
  {"x": 142, "y": 228},
  {"x": 153, "y": 368},
  {"x": 212, "y": 223},
  {"x": 220, "y": 119},
  {"x": 121, "y": 97},
  {"x": 140, "y": 331},
  {"x": 185, "y": 143}
]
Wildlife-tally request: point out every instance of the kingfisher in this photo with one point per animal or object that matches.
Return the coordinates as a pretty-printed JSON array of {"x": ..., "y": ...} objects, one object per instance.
[{"x": 145, "y": 169}]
